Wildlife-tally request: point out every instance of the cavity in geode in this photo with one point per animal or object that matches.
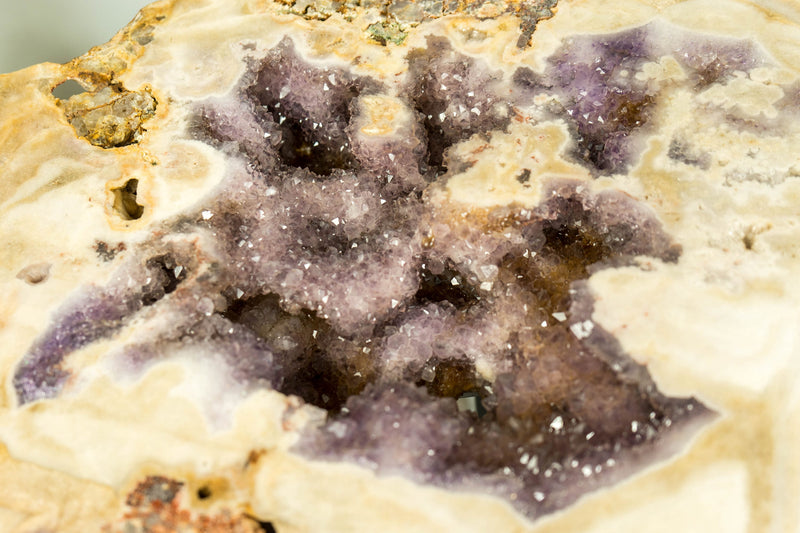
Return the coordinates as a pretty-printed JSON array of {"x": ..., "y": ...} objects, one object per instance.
[{"x": 454, "y": 346}]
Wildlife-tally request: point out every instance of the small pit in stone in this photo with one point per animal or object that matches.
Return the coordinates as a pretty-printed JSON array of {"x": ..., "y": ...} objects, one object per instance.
[
  {"x": 35, "y": 273},
  {"x": 301, "y": 150},
  {"x": 125, "y": 201}
]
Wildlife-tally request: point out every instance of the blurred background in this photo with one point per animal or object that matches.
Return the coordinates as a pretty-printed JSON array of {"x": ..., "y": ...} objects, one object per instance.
[{"x": 33, "y": 31}]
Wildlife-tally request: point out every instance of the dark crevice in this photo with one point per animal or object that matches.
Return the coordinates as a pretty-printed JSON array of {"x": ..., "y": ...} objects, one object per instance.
[
  {"x": 302, "y": 149},
  {"x": 327, "y": 237},
  {"x": 454, "y": 97},
  {"x": 576, "y": 245},
  {"x": 319, "y": 366},
  {"x": 437, "y": 140},
  {"x": 323, "y": 382},
  {"x": 168, "y": 275},
  {"x": 445, "y": 285},
  {"x": 310, "y": 106},
  {"x": 568, "y": 253},
  {"x": 266, "y": 527},
  {"x": 431, "y": 111}
]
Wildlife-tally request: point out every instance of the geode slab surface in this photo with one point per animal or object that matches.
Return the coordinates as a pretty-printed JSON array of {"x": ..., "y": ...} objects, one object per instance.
[{"x": 406, "y": 266}]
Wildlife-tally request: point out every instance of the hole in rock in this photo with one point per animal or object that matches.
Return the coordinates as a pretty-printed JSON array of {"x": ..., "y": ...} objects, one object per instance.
[
  {"x": 576, "y": 244},
  {"x": 125, "y": 201},
  {"x": 203, "y": 493},
  {"x": 437, "y": 140},
  {"x": 266, "y": 527},
  {"x": 445, "y": 285},
  {"x": 323, "y": 381},
  {"x": 64, "y": 90}
]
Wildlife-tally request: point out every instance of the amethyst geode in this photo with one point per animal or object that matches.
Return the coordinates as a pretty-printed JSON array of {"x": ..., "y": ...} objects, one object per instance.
[{"x": 450, "y": 345}]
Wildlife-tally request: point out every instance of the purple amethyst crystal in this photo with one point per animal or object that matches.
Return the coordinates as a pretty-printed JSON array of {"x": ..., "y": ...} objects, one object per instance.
[
  {"x": 95, "y": 314},
  {"x": 311, "y": 107},
  {"x": 92, "y": 317},
  {"x": 564, "y": 392},
  {"x": 456, "y": 97},
  {"x": 595, "y": 80},
  {"x": 454, "y": 348}
]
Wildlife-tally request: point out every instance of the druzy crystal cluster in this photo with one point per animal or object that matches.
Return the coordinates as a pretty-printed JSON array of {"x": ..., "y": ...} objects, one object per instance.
[{"x": 453, "y": 346}]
